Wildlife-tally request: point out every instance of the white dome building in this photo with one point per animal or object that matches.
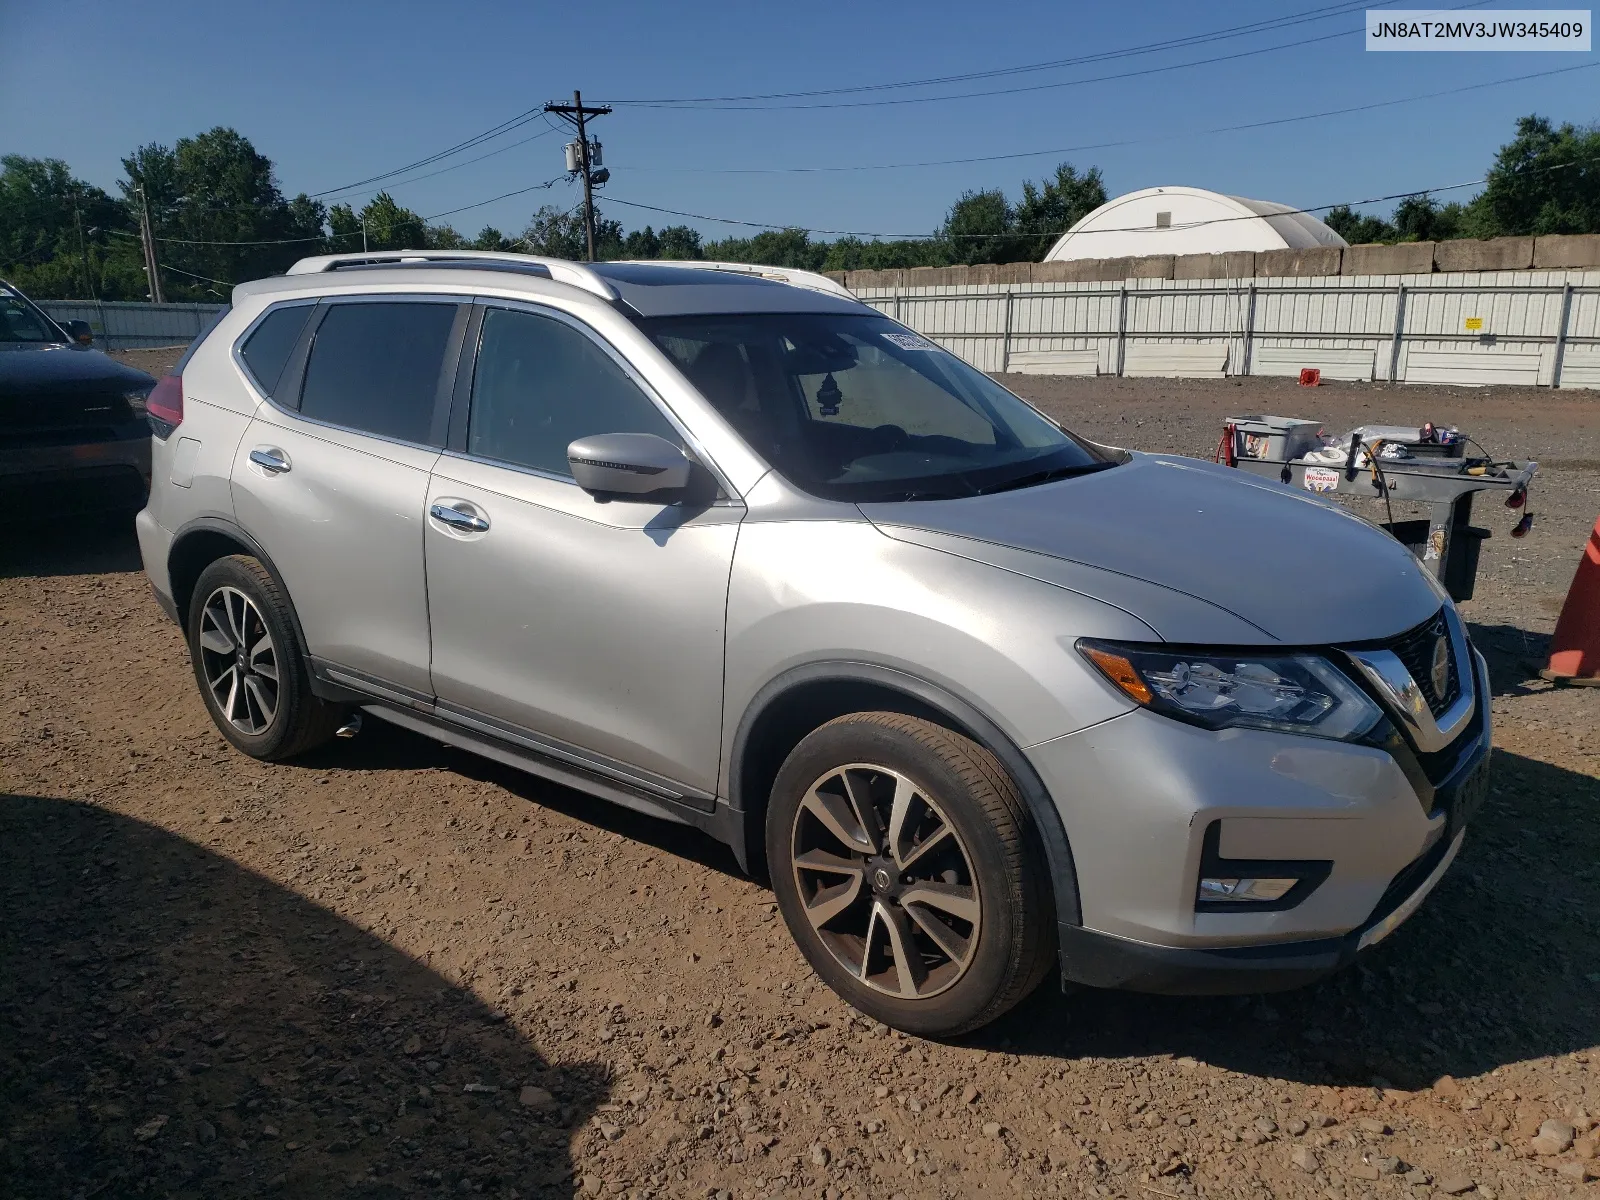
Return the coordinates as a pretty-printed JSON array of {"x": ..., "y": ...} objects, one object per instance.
[{"x": 1186, "y": 220}]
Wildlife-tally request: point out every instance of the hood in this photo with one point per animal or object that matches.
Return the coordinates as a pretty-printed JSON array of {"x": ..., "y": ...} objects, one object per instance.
[
  {"x": 59, "y": 370},
  {"x": 1296, "y": 568}
]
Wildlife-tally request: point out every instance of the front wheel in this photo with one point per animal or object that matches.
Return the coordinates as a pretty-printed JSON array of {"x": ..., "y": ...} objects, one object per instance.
[{"x": 907, "y": 871}]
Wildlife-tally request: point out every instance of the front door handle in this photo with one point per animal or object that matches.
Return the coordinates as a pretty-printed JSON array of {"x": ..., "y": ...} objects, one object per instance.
[
  {"x": 270, "y": 459},
  {"x": 456, "y": 519}
]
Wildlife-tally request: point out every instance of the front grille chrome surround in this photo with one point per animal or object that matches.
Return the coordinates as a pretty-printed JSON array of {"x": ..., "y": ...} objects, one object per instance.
[{"x": 1430, "y": 718}]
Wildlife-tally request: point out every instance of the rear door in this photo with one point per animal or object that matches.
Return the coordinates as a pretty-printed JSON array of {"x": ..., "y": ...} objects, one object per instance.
[{"x": 331, "y": 478}]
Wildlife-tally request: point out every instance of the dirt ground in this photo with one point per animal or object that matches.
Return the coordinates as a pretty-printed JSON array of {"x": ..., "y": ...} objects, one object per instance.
[{"x": 395, "y": 969}]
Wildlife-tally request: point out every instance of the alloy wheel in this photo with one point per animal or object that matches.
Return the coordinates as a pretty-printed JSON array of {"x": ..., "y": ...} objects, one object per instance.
[
  {"x": 239, "y": 660},
  {"x": 886, "y": 881}
]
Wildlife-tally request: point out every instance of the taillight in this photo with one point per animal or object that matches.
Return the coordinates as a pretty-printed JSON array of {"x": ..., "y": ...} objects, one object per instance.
[{"x": 164, "y": 405}]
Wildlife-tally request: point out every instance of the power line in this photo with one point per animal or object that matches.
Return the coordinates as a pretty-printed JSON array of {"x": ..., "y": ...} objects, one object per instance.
[
  {"x": 520, "y": 119},
  {"x": 192, "y": 275},
  {"x": 1022, "y": 233},
  {"x": 477, "y": 139},
  {"x": 947, "y": 162},
  {"x": 1233, "y": 31},
  {"x": 504, "y": 196},
  {"x": 261, "y": 242},
  {"x": 322, "y": 238},
  {"x": 453, "y": 166},
  {"x": 1012, "y": 91}
]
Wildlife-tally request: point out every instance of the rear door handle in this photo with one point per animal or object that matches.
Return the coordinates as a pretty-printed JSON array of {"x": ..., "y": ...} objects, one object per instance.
[
  {"x": 269, "y": 459},
  {"x": 456, "y": 519}
]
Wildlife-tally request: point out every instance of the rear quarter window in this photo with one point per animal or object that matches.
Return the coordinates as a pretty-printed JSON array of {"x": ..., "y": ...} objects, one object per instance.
[{"x": 266, "y": 350}]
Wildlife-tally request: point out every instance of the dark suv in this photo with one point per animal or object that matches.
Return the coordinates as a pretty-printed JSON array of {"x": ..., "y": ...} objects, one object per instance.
[{"x": 73, "y": 435}]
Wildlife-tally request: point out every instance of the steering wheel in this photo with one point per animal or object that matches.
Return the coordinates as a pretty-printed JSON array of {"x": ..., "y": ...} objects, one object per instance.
[{"x": 885, "y": 438}]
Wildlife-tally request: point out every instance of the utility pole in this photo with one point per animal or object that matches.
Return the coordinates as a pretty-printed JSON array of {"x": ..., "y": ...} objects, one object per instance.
[
  {"x": 575, "y": 114},
  {"x": 83, "y": 250},
  {"x": 152, "y": 266}
]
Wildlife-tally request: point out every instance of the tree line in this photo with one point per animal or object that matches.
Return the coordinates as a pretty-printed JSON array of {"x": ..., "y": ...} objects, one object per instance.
[{"x": 221, "y": 217}]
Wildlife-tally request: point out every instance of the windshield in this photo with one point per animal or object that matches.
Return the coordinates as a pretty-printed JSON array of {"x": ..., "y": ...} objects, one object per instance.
[
  {"x": 19, "y": 323},
  {"x": 858, "y": 408}
]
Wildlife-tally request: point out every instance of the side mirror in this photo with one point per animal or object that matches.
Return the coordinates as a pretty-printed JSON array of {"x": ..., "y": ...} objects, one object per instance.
[
  {"x": 628, "y": 464},
  {"x": 80, "y": 332}
]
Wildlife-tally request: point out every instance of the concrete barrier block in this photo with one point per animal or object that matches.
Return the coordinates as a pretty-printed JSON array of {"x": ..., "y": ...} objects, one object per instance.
[
  {"x": 1407, "y": 258},
  {"x": 1566, "y": 250},
  {"x": 1495, "y": 254},
  {"x": 1233, "y": 264},
  {"x": 984, "y": 273},
  {"x": 1106, "y": 270},
  {"x": 1150, "y": 266},
  {"x": 873, "y": 279},
  {"x": 1079, "y": 270},
  {"x": 1017, "y": 272},
  {"x": 916, "y": 277},
  {"x": 1311, "y": 260}
]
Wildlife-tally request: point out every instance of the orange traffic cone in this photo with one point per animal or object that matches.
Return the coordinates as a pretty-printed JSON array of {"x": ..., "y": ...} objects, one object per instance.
[{"x": 1575, "y": 647}]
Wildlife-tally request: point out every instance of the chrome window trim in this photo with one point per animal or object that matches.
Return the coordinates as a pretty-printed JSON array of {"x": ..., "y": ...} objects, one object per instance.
[
  {"x": 455, "y": 301},
  {"x": 534, "y": 308},
  {"x": 1389, "y": 675}
]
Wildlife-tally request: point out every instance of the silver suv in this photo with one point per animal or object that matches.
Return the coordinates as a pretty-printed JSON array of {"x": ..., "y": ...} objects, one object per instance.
[{"x": 728, "y": 547}]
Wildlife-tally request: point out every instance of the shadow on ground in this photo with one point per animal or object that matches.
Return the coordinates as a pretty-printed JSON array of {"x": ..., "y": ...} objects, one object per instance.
[
  {"x": 1501, "y": 965},
  {"x": 172, "y": 1024},
  {"x": 1514, "y": 657},
  {"x": 384, "y": 747},
  {"x": 77, "y": 545}
]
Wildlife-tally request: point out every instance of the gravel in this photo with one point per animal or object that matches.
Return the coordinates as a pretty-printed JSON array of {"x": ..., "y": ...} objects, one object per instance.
[{"x": 363, "y": 941}]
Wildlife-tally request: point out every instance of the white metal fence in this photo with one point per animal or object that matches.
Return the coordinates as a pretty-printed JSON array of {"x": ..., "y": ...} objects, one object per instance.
[
  {"x": 1517, "y": 327},
  {"x": 129, "y": 325},
  {"x": 1523, "y": 327}
]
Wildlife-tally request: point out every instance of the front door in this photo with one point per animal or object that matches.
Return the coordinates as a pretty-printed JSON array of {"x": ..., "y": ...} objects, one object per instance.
[{"x": 595, "y": 625}]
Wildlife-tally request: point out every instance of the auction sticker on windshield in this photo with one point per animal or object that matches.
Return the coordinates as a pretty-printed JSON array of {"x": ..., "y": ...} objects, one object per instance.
[
  {"x": 1322, "y": 479},
  {"x": 910, "y": 341}
]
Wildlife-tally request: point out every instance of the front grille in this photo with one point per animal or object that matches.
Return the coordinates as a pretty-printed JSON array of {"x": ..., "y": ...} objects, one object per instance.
[
  {"x": 1415, "y": 649},
  {"x": 33, "y": 413}
]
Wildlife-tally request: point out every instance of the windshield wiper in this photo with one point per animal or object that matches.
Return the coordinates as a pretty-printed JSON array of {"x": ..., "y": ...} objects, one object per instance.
[{"x": 1034, "y": 478}]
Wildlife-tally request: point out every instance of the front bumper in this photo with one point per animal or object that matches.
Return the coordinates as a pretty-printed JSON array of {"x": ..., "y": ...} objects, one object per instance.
[
  {"x": 1137, "y": 793},
  {"x": 103, "y": 474}
]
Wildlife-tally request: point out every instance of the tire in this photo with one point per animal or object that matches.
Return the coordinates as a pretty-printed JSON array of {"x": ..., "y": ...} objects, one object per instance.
[
  {"x": 260, "y": 699},
  {"x": 935, "y": 923}
]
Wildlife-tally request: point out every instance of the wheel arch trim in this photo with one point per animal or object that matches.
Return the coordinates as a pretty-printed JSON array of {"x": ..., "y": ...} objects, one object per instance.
[
  {"x": 961, "y": 714},
  {"x": 217, "y": 525}
]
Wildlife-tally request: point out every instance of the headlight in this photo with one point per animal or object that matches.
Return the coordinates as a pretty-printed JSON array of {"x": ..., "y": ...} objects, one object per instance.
[{"x": 1295, "y": 693}]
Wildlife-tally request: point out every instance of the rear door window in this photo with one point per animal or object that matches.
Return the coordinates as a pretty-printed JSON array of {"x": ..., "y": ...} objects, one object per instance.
[
  {"x": 375, "y": 368},
  {"x": 266, "y": 351}
]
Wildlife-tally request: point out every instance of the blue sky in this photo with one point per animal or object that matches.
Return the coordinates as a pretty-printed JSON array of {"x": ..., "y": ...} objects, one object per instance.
[{"x": 334, "y": 93}]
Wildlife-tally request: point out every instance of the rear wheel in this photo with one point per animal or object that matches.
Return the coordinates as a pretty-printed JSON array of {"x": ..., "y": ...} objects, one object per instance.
[
  {"x": 248, "y": 663},
  {"x": 907, "y": 871}
]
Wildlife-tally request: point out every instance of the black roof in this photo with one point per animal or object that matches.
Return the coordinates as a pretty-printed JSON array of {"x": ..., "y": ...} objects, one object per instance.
[{"x": 658, "y": 291}]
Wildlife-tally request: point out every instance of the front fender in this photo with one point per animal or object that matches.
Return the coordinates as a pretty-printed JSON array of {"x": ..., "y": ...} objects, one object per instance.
[{"x": 806, "y": 592}]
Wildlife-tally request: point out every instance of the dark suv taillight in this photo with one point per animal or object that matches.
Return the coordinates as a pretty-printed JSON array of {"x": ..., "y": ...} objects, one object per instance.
[{"x": 164, "y": 406}]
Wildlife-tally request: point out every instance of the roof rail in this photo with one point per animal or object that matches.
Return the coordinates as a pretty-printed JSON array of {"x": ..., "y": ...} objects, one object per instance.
[
  {"x": 805, "y": 279},
  {"x": 561, "y": 270}
]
